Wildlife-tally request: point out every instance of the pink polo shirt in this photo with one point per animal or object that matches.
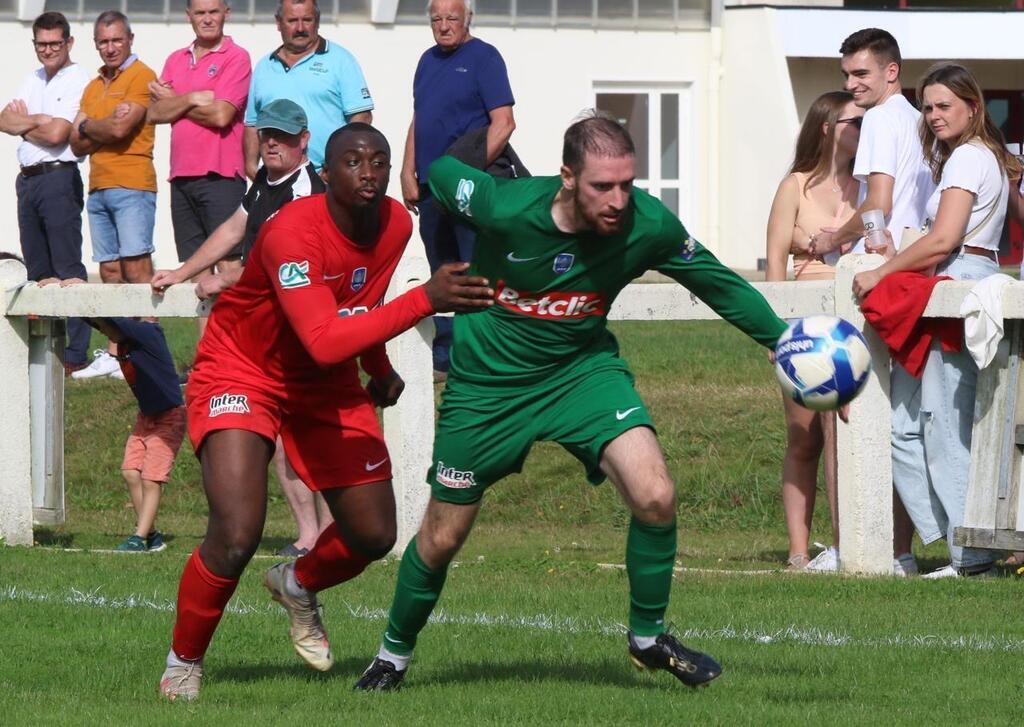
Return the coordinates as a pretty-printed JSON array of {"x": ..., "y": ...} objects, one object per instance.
[{"x": 195, "y": 149}]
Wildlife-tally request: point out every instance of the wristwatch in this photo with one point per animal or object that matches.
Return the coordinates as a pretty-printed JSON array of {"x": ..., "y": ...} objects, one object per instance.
[{"x": 81, "y": 129}]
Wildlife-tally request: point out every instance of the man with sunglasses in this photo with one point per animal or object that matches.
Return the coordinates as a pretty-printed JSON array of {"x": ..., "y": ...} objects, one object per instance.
[{"x": 49, "y": 186}]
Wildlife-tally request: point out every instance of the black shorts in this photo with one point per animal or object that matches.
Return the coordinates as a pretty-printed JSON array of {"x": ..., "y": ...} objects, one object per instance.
[{"x": 198, "y": 207}]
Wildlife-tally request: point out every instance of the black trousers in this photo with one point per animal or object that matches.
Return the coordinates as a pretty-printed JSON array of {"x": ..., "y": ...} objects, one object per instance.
[{"x": 50, "y": 223}]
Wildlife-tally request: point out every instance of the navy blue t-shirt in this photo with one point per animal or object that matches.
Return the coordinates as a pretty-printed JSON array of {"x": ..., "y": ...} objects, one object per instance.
[
  {"x": 454, "y": 93},
  {"x": 147, "y": 365}
]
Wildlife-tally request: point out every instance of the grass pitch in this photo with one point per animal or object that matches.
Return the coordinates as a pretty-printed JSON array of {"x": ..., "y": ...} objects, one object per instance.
[{"x": 529, "y": 627}]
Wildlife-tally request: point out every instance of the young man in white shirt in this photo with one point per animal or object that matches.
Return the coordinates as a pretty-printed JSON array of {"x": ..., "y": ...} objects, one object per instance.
[
  {"x": 49, "y": 185},
  {"x": 895, "y": 179}
]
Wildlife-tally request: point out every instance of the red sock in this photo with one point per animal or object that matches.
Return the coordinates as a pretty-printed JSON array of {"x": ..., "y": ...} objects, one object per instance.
[
  {"x": 202, "y": 596},
  {"x": 329, "y": 563}
]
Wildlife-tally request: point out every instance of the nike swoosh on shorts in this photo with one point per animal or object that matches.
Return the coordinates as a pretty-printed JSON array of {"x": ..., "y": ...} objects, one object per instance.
[
  {"x": 371, "y": 467},
  {"x": 620, "y": 415}
]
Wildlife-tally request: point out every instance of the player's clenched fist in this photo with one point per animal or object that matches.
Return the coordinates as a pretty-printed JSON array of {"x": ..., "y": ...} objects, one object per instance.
[
  {"x": 450, "y": 289},
  {"x": 385, "y": 392}
]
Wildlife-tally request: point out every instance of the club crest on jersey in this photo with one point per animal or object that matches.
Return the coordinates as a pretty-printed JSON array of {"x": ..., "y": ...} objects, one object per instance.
[
  {"x": 293, "y": 275},
  {"x": 229, "y": 404},
  {"x": 463, "y": 195},
  {"x": 358, "y": 278},
  {"x": 563, "y": 261},
  {"x": 211, "y": 71}
]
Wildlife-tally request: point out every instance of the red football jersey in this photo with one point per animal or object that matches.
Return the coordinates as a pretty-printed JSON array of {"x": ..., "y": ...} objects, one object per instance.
[{"x": 309, "y": 301}]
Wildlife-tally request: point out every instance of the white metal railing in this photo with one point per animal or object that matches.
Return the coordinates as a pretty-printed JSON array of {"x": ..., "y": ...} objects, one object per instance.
[{"x": 865, "y": 471}]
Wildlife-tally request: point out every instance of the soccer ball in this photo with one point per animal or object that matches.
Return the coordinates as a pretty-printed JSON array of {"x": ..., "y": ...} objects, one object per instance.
[{"x": 822, "y": 362}]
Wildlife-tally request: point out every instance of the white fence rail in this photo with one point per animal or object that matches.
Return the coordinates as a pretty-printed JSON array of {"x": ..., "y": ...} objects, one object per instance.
[{"x": 865, "y": 474}]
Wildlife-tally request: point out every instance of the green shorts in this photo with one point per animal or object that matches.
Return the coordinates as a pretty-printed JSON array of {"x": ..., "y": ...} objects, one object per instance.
[{"x": 484, "y": 434}]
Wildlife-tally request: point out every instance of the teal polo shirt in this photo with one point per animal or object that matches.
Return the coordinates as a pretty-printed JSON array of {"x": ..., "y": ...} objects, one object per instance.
[{"x": 328, "y": 84}]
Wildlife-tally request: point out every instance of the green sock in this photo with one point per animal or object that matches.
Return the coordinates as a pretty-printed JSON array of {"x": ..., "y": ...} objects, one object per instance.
[
  {"x": 650, "y": 555},
  {"x": 416, "y": 594}
]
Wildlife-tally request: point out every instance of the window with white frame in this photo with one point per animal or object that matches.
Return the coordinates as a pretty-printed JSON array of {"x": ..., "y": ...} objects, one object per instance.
[{"x": 657, "y": 116}]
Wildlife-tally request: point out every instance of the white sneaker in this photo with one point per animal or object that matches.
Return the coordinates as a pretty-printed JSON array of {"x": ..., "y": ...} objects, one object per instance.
[
  {"x": 117, "y": 373},
  {"x": 827, "y": 561},
  {"x": 103, "y": 364},
  {"x": 904, "y": 566},
  {"x": 948, "y": 571}
]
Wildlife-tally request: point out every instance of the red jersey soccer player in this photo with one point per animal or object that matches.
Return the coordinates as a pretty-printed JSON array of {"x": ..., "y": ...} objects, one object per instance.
[{"x": 278, "y": 357}]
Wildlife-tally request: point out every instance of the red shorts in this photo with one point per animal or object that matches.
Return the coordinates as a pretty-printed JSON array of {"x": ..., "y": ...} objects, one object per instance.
[
  {"x": 153, "y": 444},
  {"x": 330, "y": 434}
]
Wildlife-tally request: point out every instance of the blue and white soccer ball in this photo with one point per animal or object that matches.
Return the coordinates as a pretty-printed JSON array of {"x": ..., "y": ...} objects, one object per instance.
[{"x": 822, "y": 362}]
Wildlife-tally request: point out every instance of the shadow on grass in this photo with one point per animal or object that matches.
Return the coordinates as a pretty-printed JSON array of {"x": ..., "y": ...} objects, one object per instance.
[
  {"x": 603, "y": 672},
  {"x": 272, "y": 544},
  {"x": 345, "y": 669},
  {"x": 53, "y": 538}
]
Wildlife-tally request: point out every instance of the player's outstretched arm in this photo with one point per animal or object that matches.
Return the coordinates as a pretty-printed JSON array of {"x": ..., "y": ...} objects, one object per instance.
[
  {"x": 310, "y": 307},
  {"x": 729, "y": 295}
]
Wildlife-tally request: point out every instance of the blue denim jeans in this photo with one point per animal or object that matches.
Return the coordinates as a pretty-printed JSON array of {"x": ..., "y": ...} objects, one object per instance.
[
  {"x": 947, "y": 415},
  {"x": 121, "y": 223},
  {"x": 447, "y": 240},
  {"x": 909, "y": 468}
]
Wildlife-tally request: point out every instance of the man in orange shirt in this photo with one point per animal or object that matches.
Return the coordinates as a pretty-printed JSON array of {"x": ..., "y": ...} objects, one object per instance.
[{"x": 111, "y": 128}]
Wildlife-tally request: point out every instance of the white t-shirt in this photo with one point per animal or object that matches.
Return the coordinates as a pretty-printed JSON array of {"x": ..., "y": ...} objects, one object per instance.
[
  {"x": 973, "y": 167},
  {"x": 58, "y": 98},
  {"x": 889, "y": 144}
]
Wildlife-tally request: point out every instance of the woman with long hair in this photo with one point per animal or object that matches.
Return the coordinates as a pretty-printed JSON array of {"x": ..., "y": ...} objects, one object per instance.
[
  {"x": 972, "y": 167},
  {"x": 818, "y": 192}
]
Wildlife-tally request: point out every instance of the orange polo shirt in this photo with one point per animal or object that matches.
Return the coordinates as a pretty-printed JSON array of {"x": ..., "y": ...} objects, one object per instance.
[{"x": 128, "y": 164}]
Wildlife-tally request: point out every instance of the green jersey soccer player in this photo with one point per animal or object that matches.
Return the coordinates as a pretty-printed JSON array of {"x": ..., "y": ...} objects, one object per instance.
[{"x": 541, "y": 364}]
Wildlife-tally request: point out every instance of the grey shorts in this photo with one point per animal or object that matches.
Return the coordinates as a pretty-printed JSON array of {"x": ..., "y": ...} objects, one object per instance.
[{"x": 199, "y": 205}]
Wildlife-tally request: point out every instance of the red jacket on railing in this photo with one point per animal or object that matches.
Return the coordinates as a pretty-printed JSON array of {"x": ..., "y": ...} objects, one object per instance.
[{"x": 895, "y": 309}]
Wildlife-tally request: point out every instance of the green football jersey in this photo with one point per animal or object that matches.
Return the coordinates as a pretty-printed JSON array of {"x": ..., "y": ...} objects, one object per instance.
[{"x": 553, "y": 289}]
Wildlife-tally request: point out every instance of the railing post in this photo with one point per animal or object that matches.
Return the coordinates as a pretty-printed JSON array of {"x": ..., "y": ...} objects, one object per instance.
[
  {"x": 409, "y": 425},
  {"x": 15, "y": 437},
  {"x": 46, "y": 413},
  {"x": 865, "y": 446}
]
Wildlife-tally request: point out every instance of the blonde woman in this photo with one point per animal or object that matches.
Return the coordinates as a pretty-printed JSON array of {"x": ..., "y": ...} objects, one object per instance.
[
  {"x": 970, "y": 163},
  {"x": 819, "y": 192}
]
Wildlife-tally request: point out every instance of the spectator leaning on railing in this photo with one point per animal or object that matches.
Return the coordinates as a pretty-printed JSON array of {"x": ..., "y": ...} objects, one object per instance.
[
  {"x": 971, "y": 165},
  {"x": 895, "y": 179},
  {"x": 49, "y": 186}
]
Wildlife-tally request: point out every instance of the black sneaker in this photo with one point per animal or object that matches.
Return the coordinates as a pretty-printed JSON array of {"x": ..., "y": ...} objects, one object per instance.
[
  {"x": 155, "y": 541},
  {"x": 692, "y": 668},
  {"x": 380, "y": 676}
]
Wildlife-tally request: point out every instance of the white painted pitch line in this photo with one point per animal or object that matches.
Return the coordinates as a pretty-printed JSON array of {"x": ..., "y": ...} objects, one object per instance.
[
  {"x": 716, "y": 571},
  {"x": 552, "y": 623},
  {"x": 456, "y": 564},
  {"x": 112, "y": 551}
]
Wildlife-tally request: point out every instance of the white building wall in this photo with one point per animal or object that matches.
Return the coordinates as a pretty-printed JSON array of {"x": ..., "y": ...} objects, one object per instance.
[
  {"x": 553, "y": 73},
  {"x": 758, "y": 127}
]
